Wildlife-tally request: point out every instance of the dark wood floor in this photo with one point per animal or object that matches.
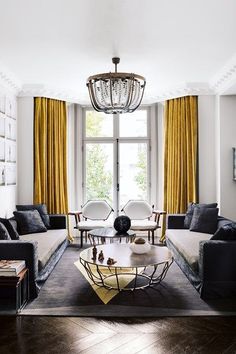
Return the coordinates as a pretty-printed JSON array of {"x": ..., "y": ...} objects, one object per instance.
[{"x": 59, "y": 335}]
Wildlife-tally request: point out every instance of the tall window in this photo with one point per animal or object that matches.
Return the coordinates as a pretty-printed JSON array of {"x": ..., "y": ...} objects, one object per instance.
[{"x": 116, "y": 157}]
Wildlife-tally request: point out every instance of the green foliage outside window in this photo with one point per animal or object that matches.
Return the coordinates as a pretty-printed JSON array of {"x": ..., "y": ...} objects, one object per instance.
[{"x": 98, "y": 180}]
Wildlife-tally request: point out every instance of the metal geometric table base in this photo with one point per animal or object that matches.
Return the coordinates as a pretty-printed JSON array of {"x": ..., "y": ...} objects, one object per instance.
[{"x": 100, "y": 278}]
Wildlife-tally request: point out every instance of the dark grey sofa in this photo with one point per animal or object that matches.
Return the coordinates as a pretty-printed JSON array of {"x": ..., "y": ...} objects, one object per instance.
[
  {"x": 209, "y": 265},
  {"x": 41, "y": 251}
]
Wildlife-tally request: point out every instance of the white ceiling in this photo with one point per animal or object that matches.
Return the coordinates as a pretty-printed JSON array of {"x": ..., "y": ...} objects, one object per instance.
[{"x": 178, "y": 45}]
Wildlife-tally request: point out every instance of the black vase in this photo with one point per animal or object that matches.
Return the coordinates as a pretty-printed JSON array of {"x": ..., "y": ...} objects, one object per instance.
[{"x": 122, "y": 224}]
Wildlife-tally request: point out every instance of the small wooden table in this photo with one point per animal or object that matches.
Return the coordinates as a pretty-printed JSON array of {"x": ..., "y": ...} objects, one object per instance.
[
  {"x": 109, "y": 233},
  {"x": 15, "y": 289}
]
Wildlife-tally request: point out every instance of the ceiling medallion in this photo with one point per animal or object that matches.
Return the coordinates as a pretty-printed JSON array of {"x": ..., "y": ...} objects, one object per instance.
[{"x": 116, "y": 92}]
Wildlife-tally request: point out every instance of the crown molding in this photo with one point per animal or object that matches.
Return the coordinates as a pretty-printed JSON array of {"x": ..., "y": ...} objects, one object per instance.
[
  {"x": 225, "y": 77},
  {"x": 185, "y": 89},
  {"x": 219, "y": 84},
  {"x": 52, "y": 92},
  {"x": 9, "y": 81}
]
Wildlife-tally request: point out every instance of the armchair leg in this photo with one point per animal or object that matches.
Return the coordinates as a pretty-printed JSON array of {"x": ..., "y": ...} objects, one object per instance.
[
  {"x": 81, "y": 238},
  {"x": 148, "y": 235},
  {"x": 153, "y": 237}
]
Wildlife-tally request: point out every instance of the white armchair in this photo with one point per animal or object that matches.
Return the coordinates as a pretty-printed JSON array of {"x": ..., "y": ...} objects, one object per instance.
[
  {"x": 143, "y": 216},
  {"x": 94, "y": 214}
]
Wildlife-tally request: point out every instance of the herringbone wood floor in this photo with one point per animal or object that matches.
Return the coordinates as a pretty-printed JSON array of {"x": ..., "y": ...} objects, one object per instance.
[{"x": 59, "y": 335}]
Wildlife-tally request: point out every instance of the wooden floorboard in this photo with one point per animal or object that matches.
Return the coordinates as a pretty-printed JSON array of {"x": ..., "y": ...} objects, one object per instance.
[{"x": 72, "y": 335}]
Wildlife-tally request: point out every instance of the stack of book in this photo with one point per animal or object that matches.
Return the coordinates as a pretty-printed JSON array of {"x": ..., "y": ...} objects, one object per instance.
[{"x": 10, "y": 268}]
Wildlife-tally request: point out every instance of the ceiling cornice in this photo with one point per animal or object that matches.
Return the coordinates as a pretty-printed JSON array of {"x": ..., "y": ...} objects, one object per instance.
[
  {"x": 223, "y": 80},
  {"x": 185, "y": 89},
  {"x": 51, "y": 92},
  {"x": 225, "y": 77},
  {"x": 9, "y": 80}
]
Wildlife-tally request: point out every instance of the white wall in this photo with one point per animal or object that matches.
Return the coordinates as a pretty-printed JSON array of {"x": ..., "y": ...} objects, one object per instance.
[
  {"x": 227, "y": 139},
  {"x": 207, "y": 149},
  {"x": 25, "y": 151}
]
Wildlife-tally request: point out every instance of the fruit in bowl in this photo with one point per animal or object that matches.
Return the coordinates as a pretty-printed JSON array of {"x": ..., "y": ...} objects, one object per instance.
[{"x": 140, "y": 246}]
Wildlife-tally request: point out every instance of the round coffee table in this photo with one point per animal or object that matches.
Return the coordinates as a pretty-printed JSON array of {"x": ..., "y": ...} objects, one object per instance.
[
  {"x": 147, "y": 269},
  {"x": 109, "y": 233}
]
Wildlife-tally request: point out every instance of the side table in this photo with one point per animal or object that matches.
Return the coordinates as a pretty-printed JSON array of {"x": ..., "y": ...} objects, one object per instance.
[{"x": 15, "y": 289}]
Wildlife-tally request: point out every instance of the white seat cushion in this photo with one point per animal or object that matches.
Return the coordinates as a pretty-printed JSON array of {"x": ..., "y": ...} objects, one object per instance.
[
  {"x": 143, "y": 225},
  {"x": 187, "y": 243},
  {"x": 48, "y": 242},
  {"x": 93, "y": 224}
]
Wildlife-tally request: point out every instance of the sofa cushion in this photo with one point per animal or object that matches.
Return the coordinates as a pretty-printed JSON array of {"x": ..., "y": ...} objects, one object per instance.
[
  {"x": 204, "y": 220},
  {"x": 4, "y": 235},
  {"x": 42, "y": 209},
  {"x": 226, "y": 233},
  {"x": 187, "y": 244},
  {"x": 10, "y": 226},
  {"x": 190, "y": 210},
  {"x": 48, "y": 242},
  {"x": 29, "y": 221}
]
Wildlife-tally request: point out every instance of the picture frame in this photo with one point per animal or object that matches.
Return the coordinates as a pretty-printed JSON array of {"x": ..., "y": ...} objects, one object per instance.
[
  {"x": 2, "y": 149},
  {"x": 10, "y": 129},
  {"x": 10, "y": 151},
  {"x": 234, "y": 164},
  {"x": 2, "y": 174},
  {"x": 10, "y": 174},
  {"x": 2, "y": 125}
]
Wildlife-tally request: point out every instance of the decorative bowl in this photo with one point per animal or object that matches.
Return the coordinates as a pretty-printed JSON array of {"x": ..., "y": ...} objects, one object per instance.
[{"x": 140, "y": 248}]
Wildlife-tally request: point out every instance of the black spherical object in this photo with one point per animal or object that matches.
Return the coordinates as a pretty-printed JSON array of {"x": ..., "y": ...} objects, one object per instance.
[{"x": 122, "y": 224}]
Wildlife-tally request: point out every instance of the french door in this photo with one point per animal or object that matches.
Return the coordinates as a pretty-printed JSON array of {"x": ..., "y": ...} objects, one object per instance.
[{"x": 116, "y": 157}]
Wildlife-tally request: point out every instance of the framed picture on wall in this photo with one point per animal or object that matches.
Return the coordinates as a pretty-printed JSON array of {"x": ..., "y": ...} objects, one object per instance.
[
  {"x": 11, "y": 128},
  {"x": 2, "y": 102},
  {"x": 2, "y": 174},
  {"x": 234, "y": 164},
  {"x": 2, "y": 125},
  {"x": 2, "y": 149},
  {"x": 11, "y": 174},
  {"x": 10, "y": 151}
]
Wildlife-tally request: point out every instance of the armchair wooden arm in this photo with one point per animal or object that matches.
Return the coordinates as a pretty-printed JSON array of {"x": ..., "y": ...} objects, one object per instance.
[
  {"x": 157, "y": 214},
  {"x": 76, "y": 215}
]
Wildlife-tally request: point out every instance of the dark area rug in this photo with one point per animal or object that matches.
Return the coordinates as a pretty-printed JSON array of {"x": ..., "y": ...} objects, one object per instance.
[{"x": 68, "y": 293}]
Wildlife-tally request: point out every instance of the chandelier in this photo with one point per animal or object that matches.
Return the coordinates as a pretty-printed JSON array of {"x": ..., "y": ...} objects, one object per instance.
[{"x": 116, "y": 92}]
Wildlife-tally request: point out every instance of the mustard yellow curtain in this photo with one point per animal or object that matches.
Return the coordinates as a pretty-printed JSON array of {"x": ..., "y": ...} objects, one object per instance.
[
  {"x": 180, "y": 154},
  {"x": 50, "y": 154}
]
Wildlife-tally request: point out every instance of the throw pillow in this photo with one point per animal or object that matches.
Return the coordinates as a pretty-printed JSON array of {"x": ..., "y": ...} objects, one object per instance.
[
  {"x": 42, "y": 209},
  {"x": 29, "y": 222},
  {"x": 190, "y": 210},
  {"x": 10, "y": 228},
  {"x": 225, "y": 233},
  {"x": 204, "y": 220},
  {"x": 4, "y": 235}
]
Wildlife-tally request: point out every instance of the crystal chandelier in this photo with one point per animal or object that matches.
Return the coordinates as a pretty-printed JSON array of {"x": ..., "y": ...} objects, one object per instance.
[{"x": 116, "y": 92}]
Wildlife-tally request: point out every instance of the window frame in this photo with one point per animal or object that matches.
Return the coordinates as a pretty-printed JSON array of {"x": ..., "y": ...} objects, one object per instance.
[{"x": 113, "y": 140}]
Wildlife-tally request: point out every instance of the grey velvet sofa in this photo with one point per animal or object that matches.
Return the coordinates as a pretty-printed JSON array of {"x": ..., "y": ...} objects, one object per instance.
[
  {"x": 210, "y": 265},
  {"x": 41, "y": 251}
]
